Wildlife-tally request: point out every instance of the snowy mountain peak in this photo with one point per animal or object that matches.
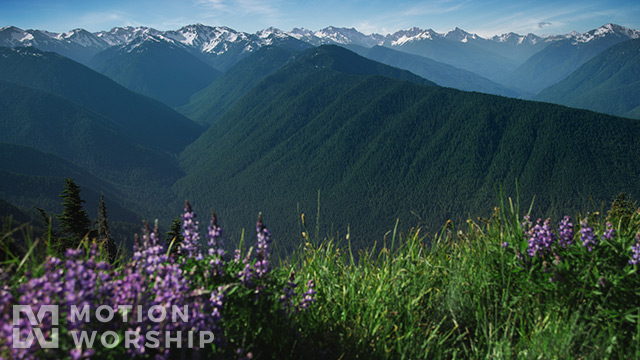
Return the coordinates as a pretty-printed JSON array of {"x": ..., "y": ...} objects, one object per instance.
[
  {"x": 83, "y": 38},
  {"x": 11, "y": 28},
  {"x": 604, "y": 31},
  {"x": 336, "y": 35},
  {"x": 458, "y": 34},
  {"x": 271, "y": 32},
  {"x": 123, "y": 35},
  {"x": 11, "y": 36},
  {"x": 207, "y": 39},
  {"x": 146, "y": 38},
  {"x": 300, "y": 33},
  {"x": 347, "y": 36},
  {"x": 517, "y": 39},
  {"x": 414, "y": 34},
  {"x": 414, "y": 31}
]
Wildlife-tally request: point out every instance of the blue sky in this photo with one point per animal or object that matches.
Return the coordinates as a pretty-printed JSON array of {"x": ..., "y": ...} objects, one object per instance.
[{"x": 486, "y": 18}]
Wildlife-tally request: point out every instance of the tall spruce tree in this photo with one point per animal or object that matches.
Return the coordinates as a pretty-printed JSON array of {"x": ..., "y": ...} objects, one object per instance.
[
  {"x": 74, "y": 221},
  {"x": 175, "y": 235},
  {"x": 104, "y": 234}
]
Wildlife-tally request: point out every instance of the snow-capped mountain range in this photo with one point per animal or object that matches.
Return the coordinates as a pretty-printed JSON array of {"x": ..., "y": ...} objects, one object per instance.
[
  {"x": 218, "y": 39},
  {"x": 222, "y": 47}
]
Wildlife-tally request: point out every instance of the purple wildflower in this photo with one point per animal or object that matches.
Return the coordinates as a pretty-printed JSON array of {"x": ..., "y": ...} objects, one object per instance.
[
  {"x": 309, "y": 296},
  {"x": 565, "y": 230},
  {"x": 217, "y": 302},
  {"x": 215, "y": 246},
  {"x": 526, "y": 224},
  {"x": 213, "y": 234},
  {"x": 77, "y": 354},
  {"x": 587, "y": 235},
  {"x": 609, "y": 232},
  {"x": 262, "y": 253},
  {"x": 246, "y": 275},
  {"x": 189, "y": 246},
  {"x": 289, "y": 293},
  {"x": 149, "y": 254},
  {"x": 540, "y": 238},
  {"x": 635, "y": 251}
]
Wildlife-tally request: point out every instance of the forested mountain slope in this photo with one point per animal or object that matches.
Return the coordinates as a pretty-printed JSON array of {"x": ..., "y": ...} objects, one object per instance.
[{"x": 379, "y": 148}]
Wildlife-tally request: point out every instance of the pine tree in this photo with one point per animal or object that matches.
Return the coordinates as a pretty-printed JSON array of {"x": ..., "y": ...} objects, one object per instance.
[
  {"x": 104, "y": 234},
  {"x": 175, "y": 232},
  {"x": 74, "y": 221}
]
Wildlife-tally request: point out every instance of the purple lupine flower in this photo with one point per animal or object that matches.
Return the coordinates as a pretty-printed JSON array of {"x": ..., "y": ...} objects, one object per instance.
[
  {"x": 309, "y": 296},
  {"x": 217, "y": 301},
  {"x": 190, "y": 245},
  {"x": 149, "y": 279},
  {"x": 262, "y": 252},
  {"x": 36, "y": 292},
  {"x": 213, "y": 234},
  {"x": 609, "y": 232},
  {"x": 81, "y": 283},
  {"x": 149, "y": 254},
  {"x": 236, "y": 256},
  {"x": 505, "y": 244},
  {"x": 587, "y": 235},
  {"x": 6, "y": 300},
  {"x": 540, "y": 238},
  {"x": 289, "y": 293},
  {"x": 246, "y": 275},
  {"x": 215, "y": 246},
  {"x": 635, "y": 251},
  {"x": 565, "y": 230},
  {"x": 526, "y": 224},
  {"x": 77, "y": 354},
  {"x": 547, "y": 237}
]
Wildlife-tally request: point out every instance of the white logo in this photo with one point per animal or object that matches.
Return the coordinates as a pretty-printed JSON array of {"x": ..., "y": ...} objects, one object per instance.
[
  {"x": 104, "y": 314},
  {"x": 26, "y": 309}
]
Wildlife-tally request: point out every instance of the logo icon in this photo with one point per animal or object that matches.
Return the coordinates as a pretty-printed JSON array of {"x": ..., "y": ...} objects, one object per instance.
[{"x": 19, "y": 343}]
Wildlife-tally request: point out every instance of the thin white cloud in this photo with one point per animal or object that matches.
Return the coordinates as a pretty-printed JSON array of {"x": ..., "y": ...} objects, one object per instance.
[
  {"x": 434, "y": 8},
  {"x": 218, "y": 8},
  {"x": 217, "y": 5}
]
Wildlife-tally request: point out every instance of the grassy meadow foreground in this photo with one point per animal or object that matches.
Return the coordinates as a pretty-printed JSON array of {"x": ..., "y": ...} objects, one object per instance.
[{"x": 503, "y": 287}]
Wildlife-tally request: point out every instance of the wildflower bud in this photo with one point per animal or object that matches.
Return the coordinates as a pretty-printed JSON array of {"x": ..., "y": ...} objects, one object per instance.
[{"x": 635, "y": 251}]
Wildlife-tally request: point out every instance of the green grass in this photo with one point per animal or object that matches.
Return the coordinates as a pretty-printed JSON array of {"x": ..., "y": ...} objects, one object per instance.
[
  {"x": 456, "y": 294},
  {"x": 461, "y": 294}
]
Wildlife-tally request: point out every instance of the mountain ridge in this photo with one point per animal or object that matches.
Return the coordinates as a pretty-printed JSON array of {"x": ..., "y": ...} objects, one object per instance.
[
  {"x": 207, "y": 39},
  {"x": 608, "y": 83},
  {"x": 379, "y": 149},
  {"x": 151, "y": 122}
]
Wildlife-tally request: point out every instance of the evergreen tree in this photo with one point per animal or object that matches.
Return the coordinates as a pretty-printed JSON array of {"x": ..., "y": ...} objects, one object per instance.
[
  {"x": 104, "y": 234},
  {"x": 74, "y": 221},
  {"x": 175, "y": 232}
]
